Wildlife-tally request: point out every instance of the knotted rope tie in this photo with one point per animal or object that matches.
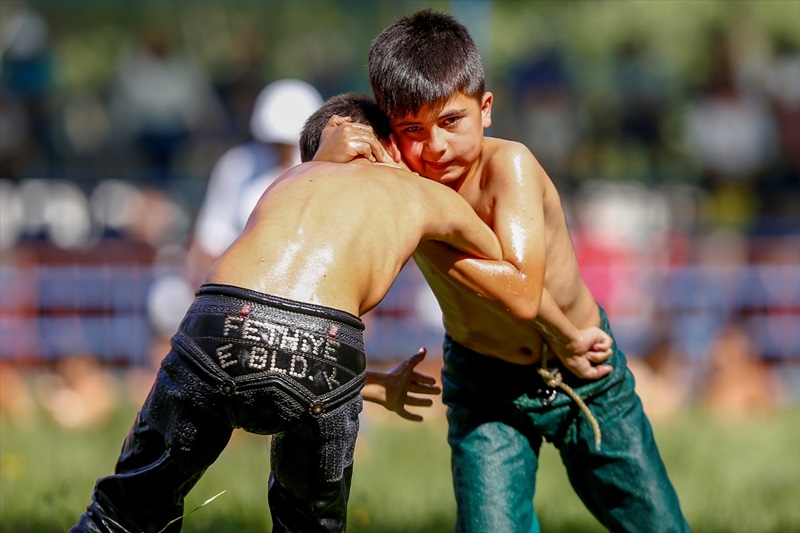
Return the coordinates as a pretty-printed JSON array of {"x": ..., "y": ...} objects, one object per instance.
[{"x": 553, "y": 380}]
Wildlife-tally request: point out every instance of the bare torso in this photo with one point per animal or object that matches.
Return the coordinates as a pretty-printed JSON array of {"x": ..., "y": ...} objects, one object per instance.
[
  {"x": 477, "y": 326},
  {"x": 337, "y": 235}
]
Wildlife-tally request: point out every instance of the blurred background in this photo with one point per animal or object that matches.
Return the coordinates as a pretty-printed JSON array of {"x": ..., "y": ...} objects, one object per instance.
[{"x": 671, "y": 129}]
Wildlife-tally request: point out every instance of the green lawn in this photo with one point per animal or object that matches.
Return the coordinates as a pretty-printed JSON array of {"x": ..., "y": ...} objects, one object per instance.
[{"x": 741, "y": 477}]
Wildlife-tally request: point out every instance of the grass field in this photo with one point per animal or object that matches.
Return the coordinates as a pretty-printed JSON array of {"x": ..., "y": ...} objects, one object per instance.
[{"x": 732, "y": 478}]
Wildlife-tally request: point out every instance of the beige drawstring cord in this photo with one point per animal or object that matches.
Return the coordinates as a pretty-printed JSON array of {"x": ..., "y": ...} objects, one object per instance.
[{"x": 553, "y": 380}]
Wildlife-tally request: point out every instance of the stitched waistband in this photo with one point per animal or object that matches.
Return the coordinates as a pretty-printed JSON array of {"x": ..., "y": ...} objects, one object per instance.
[
  {"x": 248, "y": 339},
  {"x": 326, "y": 321}
]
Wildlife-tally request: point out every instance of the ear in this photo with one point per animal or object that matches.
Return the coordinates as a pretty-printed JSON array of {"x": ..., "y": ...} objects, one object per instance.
[{"x": 486, "y": 109}]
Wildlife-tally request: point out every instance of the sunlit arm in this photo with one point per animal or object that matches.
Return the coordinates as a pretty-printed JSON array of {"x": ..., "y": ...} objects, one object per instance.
[
  {"x": 503, "y": 287},
  {"x": 497, "y": 282}
]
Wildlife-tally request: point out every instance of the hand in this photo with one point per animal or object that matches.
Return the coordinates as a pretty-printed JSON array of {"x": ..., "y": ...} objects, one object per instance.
[
  {"x": 343, "y": 140},
  {"x": 391, "y": 389},
  {"x": 584, "y": 355}
]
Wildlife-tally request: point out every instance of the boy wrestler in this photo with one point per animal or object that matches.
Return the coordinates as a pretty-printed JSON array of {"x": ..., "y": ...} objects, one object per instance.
[
  {"x": 501, "y": 316},
  {"x": 273, "y": 342}
]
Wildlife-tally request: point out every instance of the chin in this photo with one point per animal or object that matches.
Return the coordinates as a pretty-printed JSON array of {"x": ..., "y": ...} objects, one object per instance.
[{"x": 450, "y": 175}]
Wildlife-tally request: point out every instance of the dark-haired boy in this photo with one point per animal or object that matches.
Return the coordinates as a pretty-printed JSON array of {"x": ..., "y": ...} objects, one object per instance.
[
  {"x": 501, "y": 317},
  {"x": 273, "y": 343}
]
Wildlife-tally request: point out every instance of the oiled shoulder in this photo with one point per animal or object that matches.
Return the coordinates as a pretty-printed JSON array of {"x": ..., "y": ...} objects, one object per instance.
[
  {"x": 503, "y": 151},
  {"x": 507, "y": 161}
]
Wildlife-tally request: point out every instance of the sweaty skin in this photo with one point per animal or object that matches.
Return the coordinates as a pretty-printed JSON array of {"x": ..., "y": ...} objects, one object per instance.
[{"x": 337, "y": 235}]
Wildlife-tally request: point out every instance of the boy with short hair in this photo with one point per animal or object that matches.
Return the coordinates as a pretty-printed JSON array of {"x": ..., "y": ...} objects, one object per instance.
[
  {"x": 273, "y": 342},
  {"x": 502, "y": 316}
]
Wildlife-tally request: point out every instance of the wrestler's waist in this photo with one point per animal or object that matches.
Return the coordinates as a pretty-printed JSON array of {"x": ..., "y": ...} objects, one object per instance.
[{"x": 274, "y": 314}]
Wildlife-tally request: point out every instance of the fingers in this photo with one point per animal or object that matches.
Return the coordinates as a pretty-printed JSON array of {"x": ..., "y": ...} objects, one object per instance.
[
  {"x": 605, "y": 343},
  {"x": 367, "y": 146},
  {"x": 407, "y": 366},
  {"x": 342, "y": 140},
  {"x": 336, "y": 120},
  {"x": 584, "y": 369},
  {"x": 597, "y": 372},
  {"x": 409, "y": 416},
  {"x": 422, "y": 388},
  {"x": 599, "y": 356},
  {"x": 415, "y": 359},
  {"x": 360, "y": 134},
  {"x": 418, "y": 402},
  {"x": 414, "y": 402},
  {"x": 423, "y": 379}
]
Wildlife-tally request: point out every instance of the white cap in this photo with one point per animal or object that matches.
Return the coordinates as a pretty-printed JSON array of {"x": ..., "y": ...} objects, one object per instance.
[{"x": 282, "y": 109}]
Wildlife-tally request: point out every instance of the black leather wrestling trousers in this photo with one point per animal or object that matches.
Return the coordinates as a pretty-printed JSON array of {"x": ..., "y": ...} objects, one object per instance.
[{"x": 243, "y": 360}]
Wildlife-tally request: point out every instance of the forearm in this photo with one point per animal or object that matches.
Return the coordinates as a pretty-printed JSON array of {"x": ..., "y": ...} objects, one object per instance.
[
  {"x": 553, "y": 324},
  {"x": 498, "y": 283}
]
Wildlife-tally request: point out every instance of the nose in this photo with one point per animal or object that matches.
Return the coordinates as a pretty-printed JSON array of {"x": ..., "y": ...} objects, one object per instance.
[{"x": 437, "y": 142}]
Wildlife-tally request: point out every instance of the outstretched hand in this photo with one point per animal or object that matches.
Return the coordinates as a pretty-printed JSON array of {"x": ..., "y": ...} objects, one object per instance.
[
  {"x": 584, "y": 356},
  {"x": 343, "y": 140},
  {"x": 391, "y": 389}
]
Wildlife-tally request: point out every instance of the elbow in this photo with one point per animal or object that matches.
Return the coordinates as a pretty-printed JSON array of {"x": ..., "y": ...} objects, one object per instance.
[{"x": 524, "y": 310}]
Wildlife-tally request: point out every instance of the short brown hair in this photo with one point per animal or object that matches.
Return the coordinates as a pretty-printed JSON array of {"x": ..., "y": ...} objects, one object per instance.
[{"x": 359, "y": 107}]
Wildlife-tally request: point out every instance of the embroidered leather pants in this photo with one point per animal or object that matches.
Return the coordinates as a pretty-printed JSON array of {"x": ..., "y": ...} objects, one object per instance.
[{"x": 241, "y": 359}]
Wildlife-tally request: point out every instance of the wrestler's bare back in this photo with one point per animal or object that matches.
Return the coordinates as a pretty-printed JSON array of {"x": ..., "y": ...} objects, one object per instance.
[
  {"x": 337, "y": 234},
  {"x": 466, "y": 316}
]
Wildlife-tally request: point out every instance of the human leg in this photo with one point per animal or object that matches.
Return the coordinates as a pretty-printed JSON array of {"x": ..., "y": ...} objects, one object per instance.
[
  {"x": 163, "y": 456},
  {"x": 494, "y": 477},
  {"x": 624, "y": 482},
  {"x": 494, "y": 446},
  {"x": 294, "y": 370},
  {"x": 312, "y": 468}
]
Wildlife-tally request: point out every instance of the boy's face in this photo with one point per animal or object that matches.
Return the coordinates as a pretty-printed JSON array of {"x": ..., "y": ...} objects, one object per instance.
[{"x": 443, "y": 143}]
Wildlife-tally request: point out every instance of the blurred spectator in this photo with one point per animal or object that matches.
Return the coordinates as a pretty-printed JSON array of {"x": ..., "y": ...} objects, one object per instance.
[
  {"x": 240, "y": 78},
  {"x": 664, "y": 380},
  {"x": 81, "y": 393},
  {"x": 548, "y": 123},
  {"x": 738, "y": 383},
  {"x": 160, "y": 97},
  {"x": 15, "y": 142},
  {"x": 245, "y": 171},
  {"x": 641, "y": 91},
  {"x": 82, "y": 135},
  {"x": 17, "y": 404},
  {"x": 780, "y": 195},
  {"x": 730, "y": 135},
  {"x": 25, "y": 114},
  {"x": 783, "y": 88},
  {"x": 11, "y": 215}
]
